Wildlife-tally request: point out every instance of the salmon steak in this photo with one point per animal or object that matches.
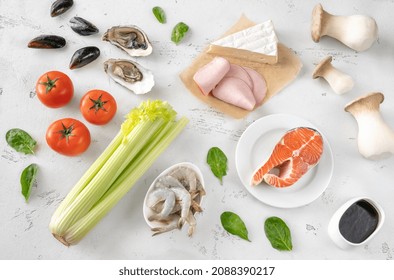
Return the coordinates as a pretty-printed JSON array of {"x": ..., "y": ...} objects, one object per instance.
[{"x": 297, "y": 152}]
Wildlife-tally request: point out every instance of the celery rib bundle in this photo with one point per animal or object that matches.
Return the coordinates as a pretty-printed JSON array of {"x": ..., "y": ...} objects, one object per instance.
[{"x": 144, "y": 135}]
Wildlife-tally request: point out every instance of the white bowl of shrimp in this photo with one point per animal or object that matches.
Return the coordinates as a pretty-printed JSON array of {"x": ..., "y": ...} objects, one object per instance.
[{"x": 174, "y": 198}]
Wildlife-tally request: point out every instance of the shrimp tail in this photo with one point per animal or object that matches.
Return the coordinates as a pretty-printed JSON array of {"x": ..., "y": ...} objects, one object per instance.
[{"x": 181, "y": 222}]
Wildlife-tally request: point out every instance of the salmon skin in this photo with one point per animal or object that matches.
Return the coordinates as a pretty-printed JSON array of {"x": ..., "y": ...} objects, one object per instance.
[{"x": 298, "y": 151}]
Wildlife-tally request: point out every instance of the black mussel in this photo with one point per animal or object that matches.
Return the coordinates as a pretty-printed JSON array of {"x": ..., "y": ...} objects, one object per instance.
[
  {"x": 60, "y": 6},
  {"x": 82, "y": 26},
  {"x": 47, "y": 42},
  {"x": 84, "y": 56}
]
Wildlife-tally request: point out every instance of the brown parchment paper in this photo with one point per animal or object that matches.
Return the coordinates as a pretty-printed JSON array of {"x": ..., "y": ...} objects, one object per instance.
[{"x": 277, "y": 76}]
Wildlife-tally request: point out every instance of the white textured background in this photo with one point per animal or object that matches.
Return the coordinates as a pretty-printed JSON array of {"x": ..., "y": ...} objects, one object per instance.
[{"x": 123, "y": 233}]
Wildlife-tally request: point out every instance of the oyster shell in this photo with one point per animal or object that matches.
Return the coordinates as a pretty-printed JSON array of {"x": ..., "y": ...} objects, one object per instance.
[
  {"x": 130, "y": 75},
  {"x": 131, "y": 39}
]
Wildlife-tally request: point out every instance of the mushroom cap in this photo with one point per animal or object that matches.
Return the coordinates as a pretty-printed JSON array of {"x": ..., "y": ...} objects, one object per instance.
[
  {"x": 321, "y": 67},
  {"x": 368, "y": 102},
  {"x": 317, "y": 17}
]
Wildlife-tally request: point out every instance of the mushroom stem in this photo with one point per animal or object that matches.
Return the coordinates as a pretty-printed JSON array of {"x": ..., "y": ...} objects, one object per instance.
[
  {"x": 339, "y": 81},
  {"x": 375, "y": 138},
  {"x": 358, "y": 32}
]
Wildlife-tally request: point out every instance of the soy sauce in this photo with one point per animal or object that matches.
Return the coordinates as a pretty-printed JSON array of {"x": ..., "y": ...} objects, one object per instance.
[{"x": 359, "y": 221}]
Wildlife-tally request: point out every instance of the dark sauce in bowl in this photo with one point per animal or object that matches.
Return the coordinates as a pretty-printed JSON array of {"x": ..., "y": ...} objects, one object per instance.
[{"x": 359, "y": 221}]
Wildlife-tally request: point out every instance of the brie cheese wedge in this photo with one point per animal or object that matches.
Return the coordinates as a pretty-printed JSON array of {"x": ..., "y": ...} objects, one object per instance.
[{"x": 257, "y": 43}]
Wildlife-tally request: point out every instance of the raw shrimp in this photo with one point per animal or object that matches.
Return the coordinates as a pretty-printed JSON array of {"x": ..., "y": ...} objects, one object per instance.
[
  {"x": 182, "y": 196},
  {"x": 175, "y": 199},
  {"x": 191, "y": 220},
  {"x": 187, "y": 177},
  {"x": 195, "y": 206},
  {"x": 164, "y": 195},
  {"x": 172, "y": 222},
  {"x": 200, "y": 188}
]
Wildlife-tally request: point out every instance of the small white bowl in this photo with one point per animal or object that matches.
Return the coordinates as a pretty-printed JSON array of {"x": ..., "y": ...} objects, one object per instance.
[
  {"x": 146, "y": 210},
  {"x": 333, "y": 226}
]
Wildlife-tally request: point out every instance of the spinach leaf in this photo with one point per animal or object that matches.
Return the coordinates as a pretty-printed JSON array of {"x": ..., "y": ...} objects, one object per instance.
[
  {"x": 217, "y": 160},
  {"x": 159, "y": 14},
  {"x": 28, "y": 177},
  {"x": 278, "y": 234},
  {"x": 21, "y": 141},
  {"x": 178, "y": 32},
  {"x": 233, "y": 224}
]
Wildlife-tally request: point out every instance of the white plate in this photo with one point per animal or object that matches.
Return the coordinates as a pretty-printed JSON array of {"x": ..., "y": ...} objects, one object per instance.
[{"x": 254, "y": 148}]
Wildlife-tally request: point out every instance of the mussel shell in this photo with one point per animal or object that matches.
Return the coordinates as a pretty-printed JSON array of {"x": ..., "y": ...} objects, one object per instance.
[
  {"x": 60, "y": 6},
  {"x": 82, "y": 26},
  {"x": 47, "y": 42},
  {"x": 84, "y": 56}
]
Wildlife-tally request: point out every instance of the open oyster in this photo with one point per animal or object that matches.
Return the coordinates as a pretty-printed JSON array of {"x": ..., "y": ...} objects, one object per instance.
[
  {"x": 130, "y": 75},
  {"x": 131, "y": 39}
]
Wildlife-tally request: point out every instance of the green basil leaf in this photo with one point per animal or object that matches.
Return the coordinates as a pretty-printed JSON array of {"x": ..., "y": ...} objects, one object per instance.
[
  {"x": 28, "y": 177},
  {"x": 159, "y": 14},
  {"x": 21, "y": 141},
  {"x": 278, "y": 234},
  {"x": 178, "y": 32},
  {"x": 233, "y": 224},
  {"x": 217, "y": 160}
]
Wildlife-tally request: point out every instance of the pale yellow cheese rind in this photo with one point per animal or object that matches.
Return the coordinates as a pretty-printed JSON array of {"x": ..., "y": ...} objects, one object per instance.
[
  {"x": 257, "y": 43},
  {"x": 242, "y": 54}
]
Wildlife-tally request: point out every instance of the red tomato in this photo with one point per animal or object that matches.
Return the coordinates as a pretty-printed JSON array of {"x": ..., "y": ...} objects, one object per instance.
[
  {"x": 98, "y": 106},
  {"x": 68, "y": 137},
  {"x": 54, "y": 89}
]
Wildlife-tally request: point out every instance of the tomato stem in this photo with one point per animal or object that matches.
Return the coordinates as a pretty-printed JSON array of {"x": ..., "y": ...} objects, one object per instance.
[
  {"x": 66, "y": 132},
  {"x": 49, "y": 84},
  {"x": 98, "y": 104}
]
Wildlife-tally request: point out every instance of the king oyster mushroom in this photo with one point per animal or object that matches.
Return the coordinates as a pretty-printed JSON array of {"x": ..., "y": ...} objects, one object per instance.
[
  {"x": 131, "y": 39},
  {"x": 130, "y": 75}
]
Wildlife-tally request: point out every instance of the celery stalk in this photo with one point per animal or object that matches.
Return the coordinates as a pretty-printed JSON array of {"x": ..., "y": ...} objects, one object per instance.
[
  {"x": 129, "y": 178},
  {"x": 107, "y": 174},
  {"x": 87, "y": 177},
  {"x": 145, "y": 134}
]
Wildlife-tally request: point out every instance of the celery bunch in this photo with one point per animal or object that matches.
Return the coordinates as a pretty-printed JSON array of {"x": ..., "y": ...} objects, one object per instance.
[{"x": 144, "y": 135}]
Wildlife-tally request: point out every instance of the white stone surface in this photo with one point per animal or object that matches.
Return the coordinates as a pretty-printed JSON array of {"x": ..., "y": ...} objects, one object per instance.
[{"x": 123, "y": 234}]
